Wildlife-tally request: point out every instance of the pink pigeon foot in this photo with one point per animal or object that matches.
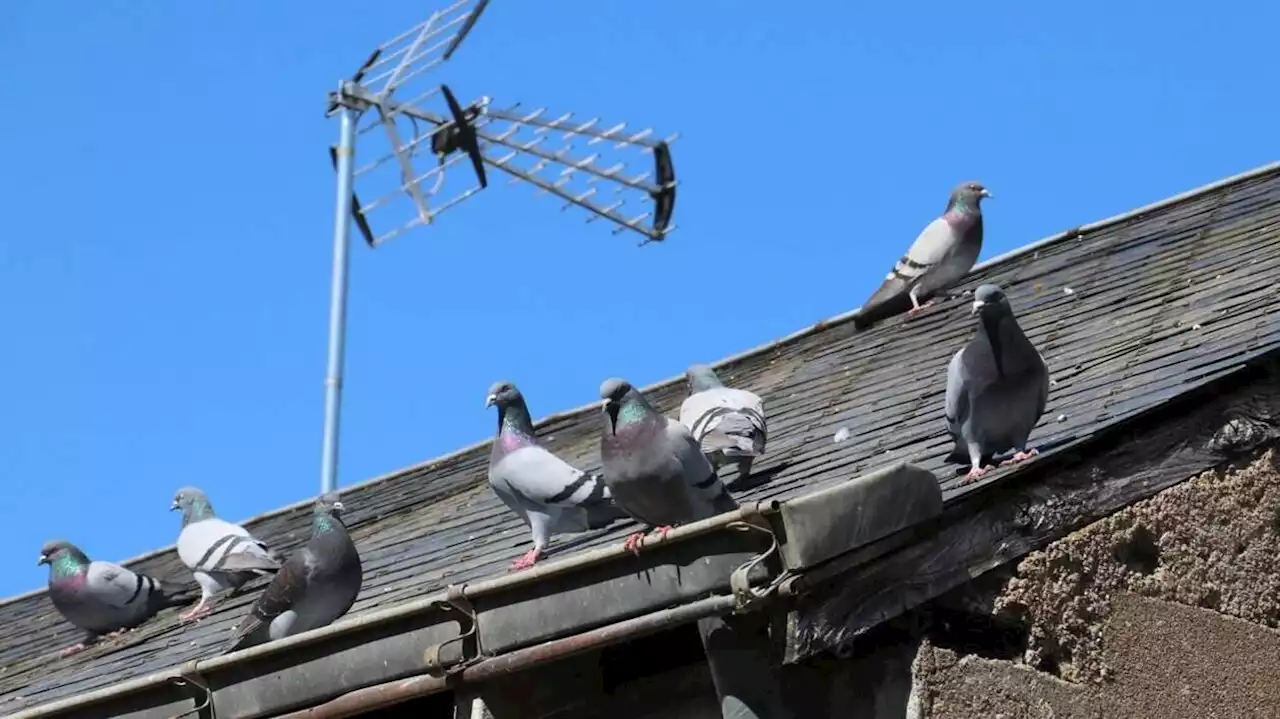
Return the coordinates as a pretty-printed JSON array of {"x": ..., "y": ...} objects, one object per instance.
[
  {"x": 634, "y": 542},
  {"x": 975, "y": 474},
  {"x": 1020, "y": 457},
  {"x": 919, "y": 308},
  {"x": 74, "y": 648},
  {"x": 527, "y": 560},
  {"x": 662, "y": 532},
  {"x": 200, "y": 611}
]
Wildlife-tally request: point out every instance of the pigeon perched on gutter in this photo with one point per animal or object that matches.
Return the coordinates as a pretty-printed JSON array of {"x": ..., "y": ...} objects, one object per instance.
[
  {"x": 545, "y": 491},
  {"x": 103, "y": 598},
  {"x": 316, "y": 585},
  {"x": 942, "y": 254},
  {"x": 728, "y": 423},
  {"x": 652, "y": 465},
  {"x": 997, "y": 386},
  {"x": 220, "y": 555}
]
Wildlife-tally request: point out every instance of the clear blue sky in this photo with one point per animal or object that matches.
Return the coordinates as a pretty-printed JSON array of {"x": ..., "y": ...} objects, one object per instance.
[{"x": 165, "y": 259}]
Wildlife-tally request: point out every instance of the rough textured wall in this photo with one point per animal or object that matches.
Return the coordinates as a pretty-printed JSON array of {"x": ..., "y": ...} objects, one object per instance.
[
  {"x": 1211, "y": 542},
  {"x": 1166, "y": 609},
  {"x": 1167, "y": 661}
]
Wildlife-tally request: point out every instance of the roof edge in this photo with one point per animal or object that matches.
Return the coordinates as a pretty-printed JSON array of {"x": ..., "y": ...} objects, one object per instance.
[{"x": 798, "y": 334}]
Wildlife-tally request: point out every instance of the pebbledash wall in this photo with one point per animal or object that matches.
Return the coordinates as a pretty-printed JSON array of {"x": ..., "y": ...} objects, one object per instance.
[{"x": 1166, "y": 609}]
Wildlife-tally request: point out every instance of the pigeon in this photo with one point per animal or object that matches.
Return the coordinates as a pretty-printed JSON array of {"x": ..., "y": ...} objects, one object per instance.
[
  {"x": 103, "y": 598},
  {"x": 996, "y": 387},
  {"x": 941, "y": 255},
  {"x": 653, "y": 467},
  {"x": 220, "y": 555},
  {"x": 545, "y": 491},
  {"x": 316, "y": 585},
  {"x": 728, "y": 423}
]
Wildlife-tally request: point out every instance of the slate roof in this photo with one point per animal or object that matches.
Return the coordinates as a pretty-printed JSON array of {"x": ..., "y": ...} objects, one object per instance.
[{"x": 1127, "y": 314}]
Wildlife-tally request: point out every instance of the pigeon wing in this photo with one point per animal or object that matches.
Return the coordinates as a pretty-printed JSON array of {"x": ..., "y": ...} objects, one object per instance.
[
  {"x": 932, "y": 246},
  {"x": 537, "y": 475},
  {"x": 116, "y": 586},
  {"x": 286, "y": 589},
  {"x": 707, "y": 494}
]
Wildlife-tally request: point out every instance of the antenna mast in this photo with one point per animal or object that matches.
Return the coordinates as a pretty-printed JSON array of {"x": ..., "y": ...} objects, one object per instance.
[{"x": 426, "y": 131}]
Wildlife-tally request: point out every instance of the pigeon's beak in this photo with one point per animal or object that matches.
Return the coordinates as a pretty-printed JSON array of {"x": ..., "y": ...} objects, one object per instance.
[
  {"x": 985, "y": 193},
  {"x": 977, "y": 305},
  {"x": 173, "y": 506},
  {"x": 337, "y": 507},
  {"x": 43, "y": 560},
  {"x": 488, "y": 401}
]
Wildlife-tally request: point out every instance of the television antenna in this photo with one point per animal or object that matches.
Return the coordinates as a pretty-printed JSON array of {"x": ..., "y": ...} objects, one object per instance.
[{"x": 424, "y": 138}]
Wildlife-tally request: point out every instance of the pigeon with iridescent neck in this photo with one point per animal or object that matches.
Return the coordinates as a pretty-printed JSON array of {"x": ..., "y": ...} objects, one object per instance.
[
  {"x": 548, "y": 494},
  {"x": 997, "y": 386},
  {"x": 653, "y": 467},
  {"x": 317, "y": 584},
  {"x": 941, "y": 256},
  {"x": 102, "y": 598},
  {"x": 728, "y": 423},
  {"x": 221, "y": 555}
]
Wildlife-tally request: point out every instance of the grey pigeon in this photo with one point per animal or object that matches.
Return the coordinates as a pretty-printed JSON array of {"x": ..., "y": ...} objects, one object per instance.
[
  {"x": 220, "y": 555},
  {"x": 728, "y": 423},
  {"x": 942, "y": 254},
  {"x": 652, "y": 465},
  {"x": 996, "y": 387},
  {"x": 316, "y": 585},
  {"x": 103, "y": 598},
  {"x": 545, "y": 491}
]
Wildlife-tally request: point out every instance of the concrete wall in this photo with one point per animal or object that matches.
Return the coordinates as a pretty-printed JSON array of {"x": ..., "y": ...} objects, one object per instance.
[{"x": 1167, "y": 609}]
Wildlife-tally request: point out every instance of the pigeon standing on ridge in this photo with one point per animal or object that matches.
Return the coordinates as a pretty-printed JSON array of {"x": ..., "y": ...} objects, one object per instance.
[
  {"x": 546, "y": 492},
  {"x": 316, "y": 585},
  {"x": 997, "y": 386},
  {"x": 652, "y": 465},
  {"x": 100, "y": 597},
  {"x": 728, "y": 423},
  {"x": 220, "y": 555},
  {"x": 942, "y": 254}
]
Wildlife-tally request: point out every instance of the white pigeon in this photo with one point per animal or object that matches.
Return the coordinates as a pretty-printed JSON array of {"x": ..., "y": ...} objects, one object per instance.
[
  {"x": 100, "y": 597},
  {"x": 551, "y": 496},
  {"x": 997, "y": 386},
  {"x": 941, "y": 256},
  {"x": 728, "y": 423},
  {"x": 220, "y": 555}
]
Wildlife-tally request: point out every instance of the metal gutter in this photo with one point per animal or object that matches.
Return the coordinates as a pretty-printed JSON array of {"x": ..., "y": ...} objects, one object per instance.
[{"x": 385, "y": 695}]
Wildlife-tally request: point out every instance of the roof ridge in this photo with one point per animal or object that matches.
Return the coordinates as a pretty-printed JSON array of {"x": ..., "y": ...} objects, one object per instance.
[{"x": 821, "y": 325}]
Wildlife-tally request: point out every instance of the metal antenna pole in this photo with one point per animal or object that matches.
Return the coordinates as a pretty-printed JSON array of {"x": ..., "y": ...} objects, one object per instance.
[
  {"x": 338, "y": 299},
  {"x": 581, "y": 164}
]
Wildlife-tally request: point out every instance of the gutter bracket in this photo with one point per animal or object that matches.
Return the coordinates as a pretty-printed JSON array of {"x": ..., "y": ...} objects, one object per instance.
[
  {"x": 750, "y": 598},
  {"x": 189, "y": 676},
  {"x": 456, "y": 601}
]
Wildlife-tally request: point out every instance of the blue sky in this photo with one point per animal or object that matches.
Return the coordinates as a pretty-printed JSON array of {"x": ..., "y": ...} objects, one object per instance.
[{"x": 165, "y": 261}]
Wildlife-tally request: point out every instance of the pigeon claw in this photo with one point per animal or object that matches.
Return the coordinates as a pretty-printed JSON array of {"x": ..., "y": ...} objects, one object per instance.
[
  {"x": 634, "y": 543},
  {"x": 526, "y": 561},
  {"x": 195, "y": 615},
  {"x": 74, "y": 648},
  {"x": 1021, "y": 456},
  {"x": 975, "y": 474},
  {"x": 919, "y": 308}
]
